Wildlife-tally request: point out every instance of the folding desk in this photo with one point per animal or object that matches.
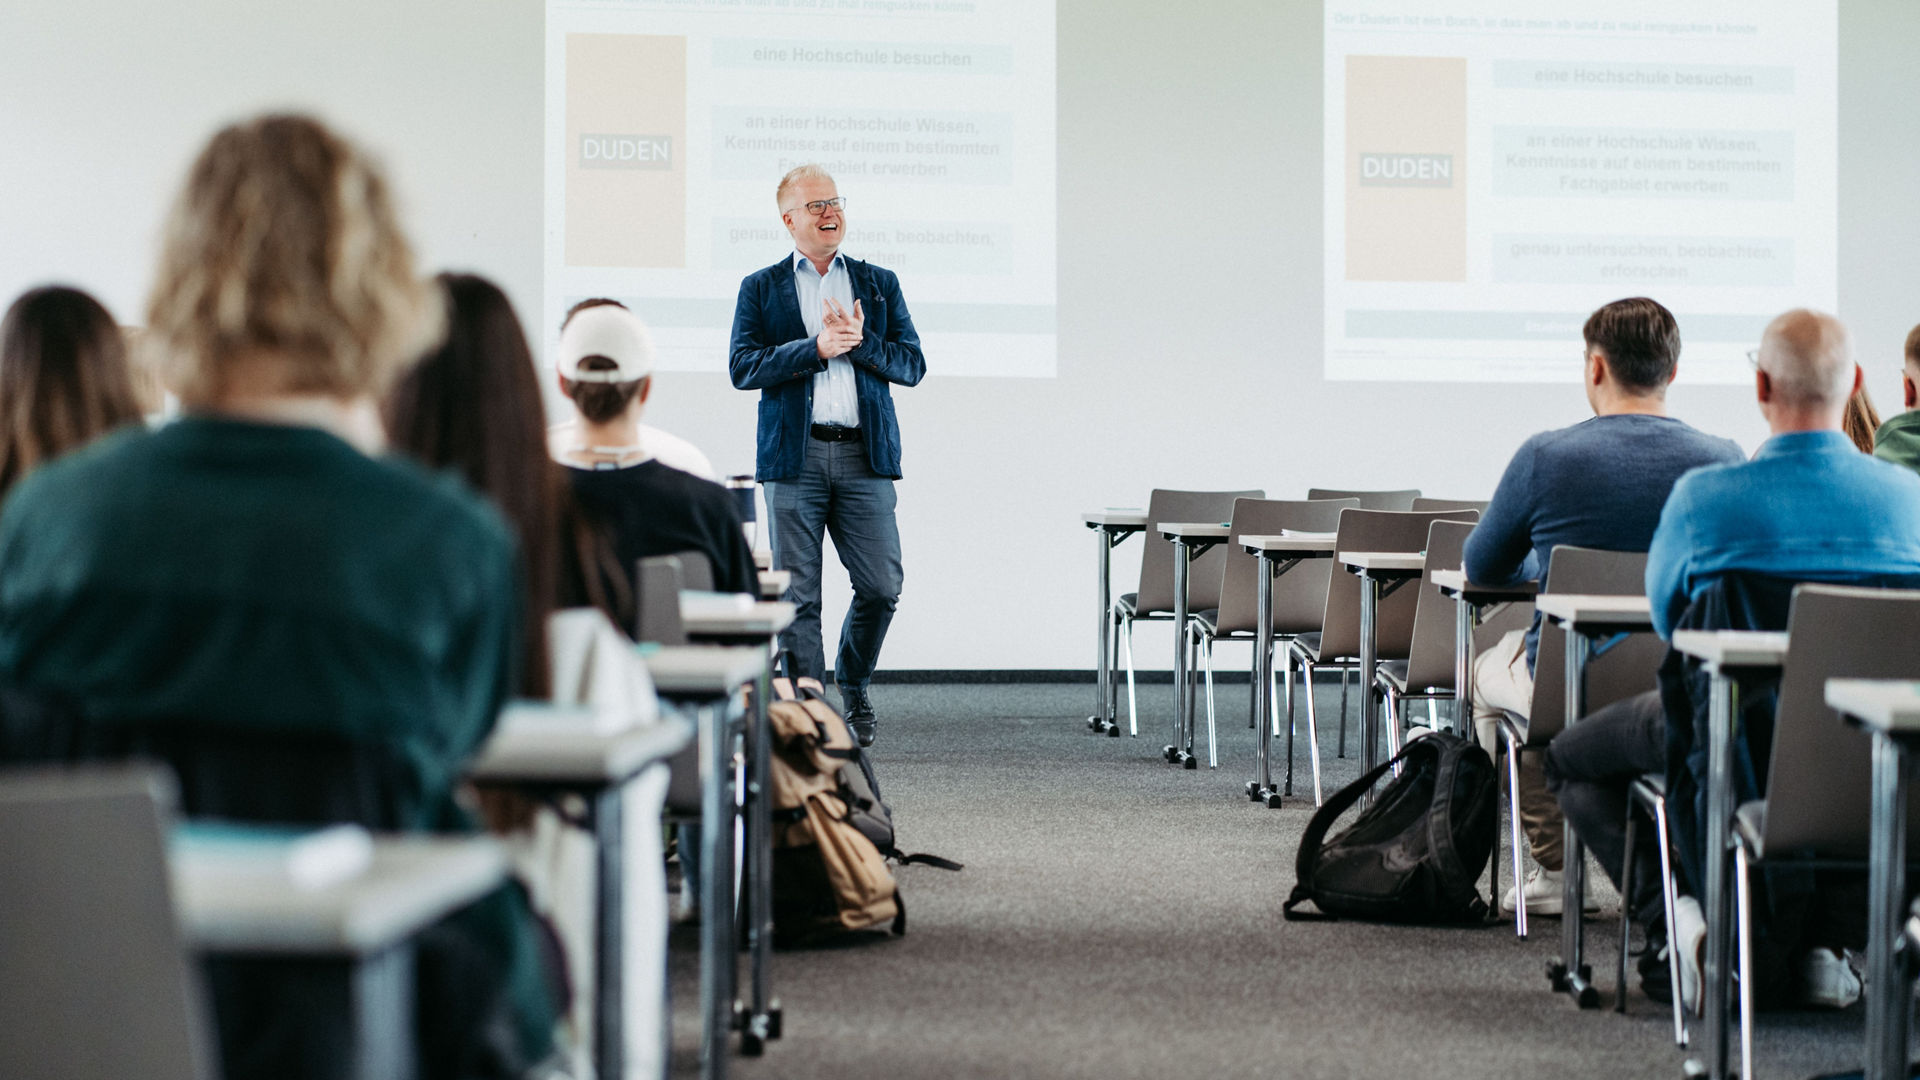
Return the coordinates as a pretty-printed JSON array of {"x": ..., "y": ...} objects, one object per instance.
[
  {"x": 1110, "y": 528},
  {"x": 1380, "y": 573},
  {"x": 1191, "y": 539},
  {"x": 1277, "y": 555}
]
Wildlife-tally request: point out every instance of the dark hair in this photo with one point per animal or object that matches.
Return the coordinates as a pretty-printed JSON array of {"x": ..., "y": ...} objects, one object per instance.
[
  {"x": 1640, "y": 340},
  {"x": 473, "y": 406},
  {"x": 590, "y": 302},
  {"x": 600, "y": 402},
  {"x": 63, "y": 378}
]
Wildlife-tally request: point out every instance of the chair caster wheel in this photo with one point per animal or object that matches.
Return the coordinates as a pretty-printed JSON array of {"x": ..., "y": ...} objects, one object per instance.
[
  {"x": 1171, "y": 753},
  {"x": 773, "y": 1021},
  {"x": 1093, "y": 723},
  {"x": 1190, "y": 762},
  {"x": 751, "y": 1045},
  {"x": 1113, "y": 731},
  {"x": 1273, "y": 800},
  {"x": 1253, "y": 790}
]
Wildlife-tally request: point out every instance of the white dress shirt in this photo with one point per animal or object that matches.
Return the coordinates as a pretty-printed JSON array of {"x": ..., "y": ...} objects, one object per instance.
[{"x": 836, "y": 396}]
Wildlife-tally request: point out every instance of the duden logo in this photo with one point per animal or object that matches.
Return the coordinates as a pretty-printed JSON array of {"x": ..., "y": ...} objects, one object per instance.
[
  {"x": 626, "y": 151},
  {"x": 1406, "y": 170}
]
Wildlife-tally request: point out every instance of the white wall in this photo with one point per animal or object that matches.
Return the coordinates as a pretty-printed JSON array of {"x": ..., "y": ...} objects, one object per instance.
[{"x": 1189, "y": 261}]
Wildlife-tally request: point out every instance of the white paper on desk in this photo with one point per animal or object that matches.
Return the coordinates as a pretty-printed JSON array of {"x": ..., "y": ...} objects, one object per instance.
[
  {"x": 1302, "y": 534},
  {"x": 696, "y": 605},
  {"x": 311, "y": 859},
  {"x": 546, "y": 718}
]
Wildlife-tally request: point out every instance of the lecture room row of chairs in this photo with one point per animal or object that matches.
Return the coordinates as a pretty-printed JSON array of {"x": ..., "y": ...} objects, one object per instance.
[{"x": 1818, "y": 807}]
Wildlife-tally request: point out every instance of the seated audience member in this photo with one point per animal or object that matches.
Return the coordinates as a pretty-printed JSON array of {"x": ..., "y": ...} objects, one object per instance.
[
  {"x": 664, "y": 446},
  {"x": 1898, "y": 440},
  {"x": 306, "y": 632},
  {"x": 605, "y": 360},
  {"x": 1808, "y": 507},
  {"x": 1597, "y": 484},
  {"x": 1861, "y": 420},
  {"x": 473, "y": 406},
  {"x": 64, "y": 378}
]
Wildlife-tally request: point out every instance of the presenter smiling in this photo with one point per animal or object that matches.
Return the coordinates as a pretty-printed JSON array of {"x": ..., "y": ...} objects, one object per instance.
[{"x": 823, "y": 337}]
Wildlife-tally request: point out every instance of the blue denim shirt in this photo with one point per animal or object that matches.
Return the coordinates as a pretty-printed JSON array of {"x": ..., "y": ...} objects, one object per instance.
[{"x": 1808, "y": 507}]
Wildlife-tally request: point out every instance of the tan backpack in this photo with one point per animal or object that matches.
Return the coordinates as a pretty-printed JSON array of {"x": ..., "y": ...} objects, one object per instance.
[{"x": 828, "y": 878}]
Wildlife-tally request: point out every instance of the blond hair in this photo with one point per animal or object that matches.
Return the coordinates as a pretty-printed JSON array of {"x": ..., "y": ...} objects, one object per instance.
[
  {"x": 809, "y": 171},
  {"x": 283, "y": 250}
]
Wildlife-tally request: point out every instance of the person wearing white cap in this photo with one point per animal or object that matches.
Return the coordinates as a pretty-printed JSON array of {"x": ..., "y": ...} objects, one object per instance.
[
  {"x": 605, "y": 364},
  {"x": 664, "y": 445}
]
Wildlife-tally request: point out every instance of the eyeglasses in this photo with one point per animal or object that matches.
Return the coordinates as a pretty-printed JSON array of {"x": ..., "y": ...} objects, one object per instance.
[
  {"x": 819, "y": 206},
  {"x": 1753, "y": 357}
]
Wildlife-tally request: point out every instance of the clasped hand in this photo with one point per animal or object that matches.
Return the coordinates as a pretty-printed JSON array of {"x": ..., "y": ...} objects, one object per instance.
[{"x": 840, "y": 330}]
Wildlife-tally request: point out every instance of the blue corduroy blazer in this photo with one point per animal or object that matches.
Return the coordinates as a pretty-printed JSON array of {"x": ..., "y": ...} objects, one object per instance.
[{"x": 772, "y": 352}]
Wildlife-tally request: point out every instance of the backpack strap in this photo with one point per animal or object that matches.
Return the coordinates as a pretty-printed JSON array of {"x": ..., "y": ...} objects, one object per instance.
[
  {"x": 899, "y": 927},
  {"x": 1453, "y": 879},
  {"x": 1316, "y": 833},
  {"x": 925, "y": 860}
]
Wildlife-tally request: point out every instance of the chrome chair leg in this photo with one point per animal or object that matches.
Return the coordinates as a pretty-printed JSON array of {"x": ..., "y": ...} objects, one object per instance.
[
  {"x": 1133, "y": 701},
  {"x": 1514, "y": 837},
  {"x": 1341, "y": 749},
  {"x": 1743, "y": 922},
  {"x": 1313, "y": 728},
  {"x": 1668, "y": 898},
  {"x": 1626, "y": 913},
  {"x": 1213, "y": 756}
]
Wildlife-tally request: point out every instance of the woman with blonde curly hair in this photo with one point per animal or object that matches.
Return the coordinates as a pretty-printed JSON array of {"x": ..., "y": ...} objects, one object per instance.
[{"x": 307, "y": 632}]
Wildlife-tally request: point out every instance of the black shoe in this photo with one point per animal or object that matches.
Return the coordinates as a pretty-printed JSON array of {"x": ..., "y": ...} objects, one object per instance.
[
  {"x": 1656, "y": 978},
  {"x": 860, "y": 716}
]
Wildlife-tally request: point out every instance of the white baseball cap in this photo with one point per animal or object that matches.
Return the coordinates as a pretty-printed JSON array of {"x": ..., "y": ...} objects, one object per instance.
[{"x": 609, "y": 331}]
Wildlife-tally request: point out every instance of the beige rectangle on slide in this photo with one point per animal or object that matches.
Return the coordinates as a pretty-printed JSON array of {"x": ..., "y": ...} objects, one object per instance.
[
  {"x": 1406, "y": 168},
  {"x": 626, "y": 136}
]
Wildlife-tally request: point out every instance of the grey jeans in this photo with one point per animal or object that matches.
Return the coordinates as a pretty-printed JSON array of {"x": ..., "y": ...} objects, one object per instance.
[{"x": 837, "y": 494}]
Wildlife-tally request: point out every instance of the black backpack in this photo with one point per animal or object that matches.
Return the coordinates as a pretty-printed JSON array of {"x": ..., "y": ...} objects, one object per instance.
[{"x": 1416, "y": 854}]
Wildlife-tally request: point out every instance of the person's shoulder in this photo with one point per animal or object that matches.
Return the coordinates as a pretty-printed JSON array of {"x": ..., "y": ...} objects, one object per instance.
[
  {"x": 94, "y": 471},
  {"x": 880, "y": 274},
  {"x": 1712, "y": 448},
  {"x": 766, "y": 275},
  {"x": 459, "y": 518},
  {"x": 664, "y": 474}
]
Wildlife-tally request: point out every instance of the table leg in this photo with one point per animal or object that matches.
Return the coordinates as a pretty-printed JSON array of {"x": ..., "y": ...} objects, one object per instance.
[
  {"x": 1569, "y": 972},
  {"x": 1102, "y": 719},
  {"x": 609, "y": 939},
  {"x": 1889, "y": 998},
  {"x": 716, "y": 890},
  {"x": 380, "y": 992},
  {"x": 1463, "y": 670},
  {"x": 1722, "y": 706},
  {"x": 1369, "y": 693},
  {"x": 1261, "y": 789},
  {"x": 762, "y": 1021},
  {"x": 1181, "y": 752}
]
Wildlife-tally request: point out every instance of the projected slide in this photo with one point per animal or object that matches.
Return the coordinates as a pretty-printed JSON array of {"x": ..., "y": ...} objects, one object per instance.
[
  {"x": 669, "y": 123},
  {"x": 1496, "y": 170}
]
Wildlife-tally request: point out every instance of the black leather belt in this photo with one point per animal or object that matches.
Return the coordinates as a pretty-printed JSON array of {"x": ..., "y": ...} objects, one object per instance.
[{"x": 832, "y": 433}]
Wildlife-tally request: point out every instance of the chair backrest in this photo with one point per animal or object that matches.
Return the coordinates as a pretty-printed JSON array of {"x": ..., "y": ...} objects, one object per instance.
[
  {"x": 1300, "y": 594},
  {"x": 1430, "y": 654},
  {"x": 1820, "y": 782},
  {"x": 1376, "y": 530},
  {"x": 657, "y": 582},
  {"x": 696, "y": 571},
  {"x": 94, "y": 977},
  {"x": 1624, "y": 670},
  {"x": 1451, "y": 504},
  {"x": 1370, "y": 500},
  {"x": 1156, "y": 559}
]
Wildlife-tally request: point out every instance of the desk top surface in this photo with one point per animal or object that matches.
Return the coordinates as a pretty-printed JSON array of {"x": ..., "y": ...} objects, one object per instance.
[
  {"x": 1115, "y": 518},
  {"x": 704, "y": 670},
  {"x": 1582, "y": 609},
  {"x": 773, "y": 583},
  {"x": 1193, "y": 530},
  {"x": 762, "y": 559},
  {"x": 1396, "y": 563},
  {"x": 1733, "y": 648},
  {"x": 566, "y": 754},
  {"x": 762, "y": 617},
  {"x": 226, "y": 906},
  {"x": 1889, "y": 705},
  {"x": 1302, "y": 546},
  {"x": 1455, "y": 583}
]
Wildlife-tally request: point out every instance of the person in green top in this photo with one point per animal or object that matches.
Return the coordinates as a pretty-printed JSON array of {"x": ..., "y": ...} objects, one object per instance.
[
  {"x": 306, "y": 631},
  {"x": 1898, "y": 440}
]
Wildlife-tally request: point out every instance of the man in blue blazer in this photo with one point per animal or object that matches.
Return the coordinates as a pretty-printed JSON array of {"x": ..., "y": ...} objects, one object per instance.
[{"x": 822, "y": 336}]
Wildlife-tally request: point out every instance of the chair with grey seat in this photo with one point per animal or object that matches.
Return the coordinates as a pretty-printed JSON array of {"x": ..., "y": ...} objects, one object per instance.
[
  {"x": 1154, "y": 599},
  {"x": 1818, "y": 809},
  {"x": 1337, "y": 643},
  {"x": 1617, "y": 670},
  {"x": 95, "y": 979},
  {"x": 1299, "y": 596},
  {"x": 1370, "y": 500},
  {"x": 1427, "y": 672},
  {"x": 1424, "y": 503}
]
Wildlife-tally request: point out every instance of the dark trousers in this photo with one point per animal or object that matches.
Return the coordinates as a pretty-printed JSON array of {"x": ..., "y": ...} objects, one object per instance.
[
  {"x": 1589, "y": 767},
  {"x": 837, "y": 493}
]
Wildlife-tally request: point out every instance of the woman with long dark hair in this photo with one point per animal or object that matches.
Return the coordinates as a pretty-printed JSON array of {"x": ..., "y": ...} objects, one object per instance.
[{"x": 64, "y": 379}]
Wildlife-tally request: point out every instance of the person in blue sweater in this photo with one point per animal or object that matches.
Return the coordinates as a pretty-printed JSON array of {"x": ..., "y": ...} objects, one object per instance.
[{"x": 1599, "y": 484}]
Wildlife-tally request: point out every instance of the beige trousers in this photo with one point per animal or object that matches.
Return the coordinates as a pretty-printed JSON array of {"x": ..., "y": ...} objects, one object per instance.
[{"x": 1502, "y": 683}]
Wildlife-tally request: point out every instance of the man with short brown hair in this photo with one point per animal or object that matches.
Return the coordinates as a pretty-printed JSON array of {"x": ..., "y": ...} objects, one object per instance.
[
  {"x": 1898, "y": 440},
  {"x": 1598, "y": 484}
]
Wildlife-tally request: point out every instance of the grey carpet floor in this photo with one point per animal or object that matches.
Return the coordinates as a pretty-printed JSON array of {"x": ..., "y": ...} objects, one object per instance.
[{"x": 1120, "y": 918}]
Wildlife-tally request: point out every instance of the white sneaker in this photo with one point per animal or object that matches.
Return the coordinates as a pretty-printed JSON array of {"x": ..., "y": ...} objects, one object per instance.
[
  {"x": 1546, "y": 893},
  {"x": 1690, "y": 937},
  {"x": 1827, "y": 981}
]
